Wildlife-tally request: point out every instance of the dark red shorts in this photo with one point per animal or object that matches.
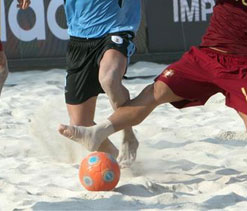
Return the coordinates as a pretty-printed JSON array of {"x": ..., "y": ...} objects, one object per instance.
[
  {"x": 201, "y": 73},
  {"x": 1, "y": 46}
]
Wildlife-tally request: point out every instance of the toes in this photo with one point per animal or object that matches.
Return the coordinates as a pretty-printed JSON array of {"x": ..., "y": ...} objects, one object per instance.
[
  {"x": 61, "y": 129},
  {"x": 67, "y": 133},
  {"x": 64, "y": 130}
]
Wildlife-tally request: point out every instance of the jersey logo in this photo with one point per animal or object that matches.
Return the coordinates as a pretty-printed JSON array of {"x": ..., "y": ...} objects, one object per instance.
[
  {"x": 168, "y": 73},
  {"x": 117, "y": 39}
]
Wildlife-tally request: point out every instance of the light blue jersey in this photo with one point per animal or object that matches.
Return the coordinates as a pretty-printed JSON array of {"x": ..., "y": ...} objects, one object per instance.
[{"x": 96, "y": 18}]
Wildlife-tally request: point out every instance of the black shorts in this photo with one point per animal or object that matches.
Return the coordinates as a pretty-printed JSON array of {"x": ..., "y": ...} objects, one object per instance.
[{"x": 83, "y": 58}]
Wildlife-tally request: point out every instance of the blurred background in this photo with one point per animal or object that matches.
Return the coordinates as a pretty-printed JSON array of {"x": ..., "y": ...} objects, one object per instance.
[{"x": 37, "y": 38}]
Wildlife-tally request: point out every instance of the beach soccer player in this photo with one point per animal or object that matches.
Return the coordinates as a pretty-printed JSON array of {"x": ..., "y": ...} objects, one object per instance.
[
  {"x": 100, "y": 45},
  {"x": 22, "y": 4},
  {"x": 218, "y": 65}
]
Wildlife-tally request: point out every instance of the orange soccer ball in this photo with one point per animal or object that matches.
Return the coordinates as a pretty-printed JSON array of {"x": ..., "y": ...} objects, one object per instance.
[{"x": 99, "y": 171}]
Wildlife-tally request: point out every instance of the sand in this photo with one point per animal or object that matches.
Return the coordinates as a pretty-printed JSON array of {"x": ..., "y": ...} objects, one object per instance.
[{"x": 190, "y": 159}]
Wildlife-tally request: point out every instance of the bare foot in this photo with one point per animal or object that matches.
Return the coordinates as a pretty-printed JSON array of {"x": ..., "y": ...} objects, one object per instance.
[
  {"x": 80, "y": 134},
  {"x": 128, "y": 149},
  {"x": 90, "y": 137}
]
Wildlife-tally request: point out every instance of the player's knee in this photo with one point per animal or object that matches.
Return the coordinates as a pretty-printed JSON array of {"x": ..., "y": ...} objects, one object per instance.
[{"x": 161, "y": 92}]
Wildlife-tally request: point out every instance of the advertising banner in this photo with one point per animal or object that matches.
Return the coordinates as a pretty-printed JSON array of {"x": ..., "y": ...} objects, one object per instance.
[
  {"x": 175, "y": 25},
  {"x": 37, "y": 37}
]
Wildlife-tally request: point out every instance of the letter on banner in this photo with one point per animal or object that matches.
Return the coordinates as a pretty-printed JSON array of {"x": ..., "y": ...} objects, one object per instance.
[
  {"x": 3, "y": 22},
  {"x": 190, "y": 12},
  {"x": 175, "y": 11},
  {"x": 206, "y": 11},
  {"x": 59, "y": 32},
  {"x": 37, "y": 32}
]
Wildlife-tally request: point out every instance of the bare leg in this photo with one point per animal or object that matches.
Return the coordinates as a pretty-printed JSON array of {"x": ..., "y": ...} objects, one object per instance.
[
  {"x": 132, "y": 113},
  {"x": 112, "y": 68},
  {"x": 83, "y": 115},
  {"x": 3, "y": 69},
  {"x": 135, "y": 111},
  {"x": 244, "y": 118}
]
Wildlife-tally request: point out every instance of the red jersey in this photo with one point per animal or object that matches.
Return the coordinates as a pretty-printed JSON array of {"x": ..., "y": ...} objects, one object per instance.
[
  {"x": 1, "y": 46},
  {"x": 228, "y": 27}
]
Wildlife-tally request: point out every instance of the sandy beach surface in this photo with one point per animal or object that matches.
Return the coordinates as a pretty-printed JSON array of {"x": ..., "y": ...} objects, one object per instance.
[{"x": 190, "y": 159}]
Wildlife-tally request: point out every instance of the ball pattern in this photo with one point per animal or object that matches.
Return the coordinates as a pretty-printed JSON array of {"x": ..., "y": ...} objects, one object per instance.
[
  {"x": 93, "y": 160},
  {"x": 109, "y": 176},
  {"x": 99, "y": 171}
]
